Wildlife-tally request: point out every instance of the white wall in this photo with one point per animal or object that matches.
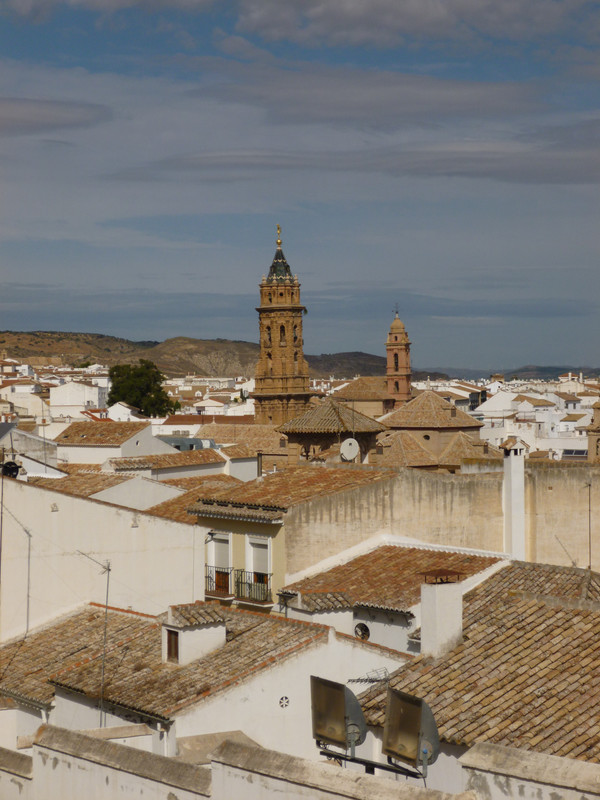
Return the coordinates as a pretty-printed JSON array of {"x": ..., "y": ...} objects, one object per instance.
[
  {"x": 257, "y": 707},
  {"x": 155, "y": 562},
  {"x": 139, "y": 493}
]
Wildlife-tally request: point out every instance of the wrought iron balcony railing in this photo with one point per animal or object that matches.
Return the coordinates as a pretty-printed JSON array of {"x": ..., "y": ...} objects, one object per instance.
[
  {"x": 218, "y": 580},
  {"x": 253, "y": 586}
]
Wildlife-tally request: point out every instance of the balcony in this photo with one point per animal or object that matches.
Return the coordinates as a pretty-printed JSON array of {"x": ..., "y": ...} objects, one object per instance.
[
  {"x": 218, "y": 581},
  {"x": 253, "y": 587},
  {"x": 248, "y": 586}
]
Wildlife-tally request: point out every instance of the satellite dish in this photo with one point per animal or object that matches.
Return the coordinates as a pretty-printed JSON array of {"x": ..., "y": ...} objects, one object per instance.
[
  {"x": 409, "y": 732},
  {"x": 337, "y": 717},
  {"x": 10, "y": 469},
  {"x": 349, "y": 449}
]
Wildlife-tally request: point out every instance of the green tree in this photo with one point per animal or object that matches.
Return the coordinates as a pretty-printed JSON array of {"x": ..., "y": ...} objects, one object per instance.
[{"x": 140, "y": 385}]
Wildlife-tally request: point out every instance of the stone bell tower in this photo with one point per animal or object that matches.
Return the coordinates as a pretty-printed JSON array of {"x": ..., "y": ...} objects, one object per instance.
[
  {"x": 398, "y": 363},
  {"x": 281, "y": 388}
]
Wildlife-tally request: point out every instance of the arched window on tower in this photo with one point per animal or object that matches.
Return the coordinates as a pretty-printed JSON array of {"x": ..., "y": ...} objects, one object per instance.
[
  {"x": 270, "y": 297},
  {"x": 295, "y": 334},
  {"x": 395, "y": 362},
  {"x": 295, "y": 363},
  {"x": 268, "y": 335},
  {"x": 396, "y": 386},
  {"x": 269, "y": 363},
  {"x": 282, "y": 334}
]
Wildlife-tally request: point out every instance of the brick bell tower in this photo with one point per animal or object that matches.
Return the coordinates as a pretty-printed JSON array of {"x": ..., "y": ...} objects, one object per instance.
[
  {"x": 281, "y": 387},
  {"x": 398, "y": 363}
]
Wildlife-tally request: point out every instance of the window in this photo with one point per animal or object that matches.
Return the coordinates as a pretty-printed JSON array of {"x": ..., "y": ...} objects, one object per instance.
[
  {"x": 173, "y": 646},
  {"x": 395, "y": 362}
]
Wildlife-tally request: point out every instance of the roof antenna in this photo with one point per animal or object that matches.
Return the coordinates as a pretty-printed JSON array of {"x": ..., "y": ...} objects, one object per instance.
[
  {"x": 105, "y": 569},
  {"x": 573, "y": 563}
]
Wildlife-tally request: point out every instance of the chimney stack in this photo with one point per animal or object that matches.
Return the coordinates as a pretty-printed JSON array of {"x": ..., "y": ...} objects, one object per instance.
[{"x": 441, "y": 617}]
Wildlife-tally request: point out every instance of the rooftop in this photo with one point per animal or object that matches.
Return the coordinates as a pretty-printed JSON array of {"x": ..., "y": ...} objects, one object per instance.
[
  {"x": 278, "y": 491},
  {"x": 103, "y": 434},
  {"x": 401, "y": 449},
  {"x": 389, "y": 577},
  {"x": 429, "y": 411},
  {"x": 186, "y": 458},
  {"x": 138, "y": 679},
  {"x": 365, "y": 388},
  {"x": 81, "y": 484},
  {"x": 525, "y": 675},
  {"x": 332, "y": 417}
]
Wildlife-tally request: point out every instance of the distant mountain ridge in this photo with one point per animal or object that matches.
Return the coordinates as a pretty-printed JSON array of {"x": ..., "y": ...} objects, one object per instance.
[{"x": 183, "y": 355}]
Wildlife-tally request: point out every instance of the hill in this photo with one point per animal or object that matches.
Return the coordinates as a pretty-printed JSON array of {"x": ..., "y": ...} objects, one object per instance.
[{"x": 174, "y": 357}]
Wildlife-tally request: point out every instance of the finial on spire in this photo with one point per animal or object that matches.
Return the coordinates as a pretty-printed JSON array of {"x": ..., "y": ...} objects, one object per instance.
[
  {"x": 278, "y": 235},
  {"x": 396, "y": 310}
]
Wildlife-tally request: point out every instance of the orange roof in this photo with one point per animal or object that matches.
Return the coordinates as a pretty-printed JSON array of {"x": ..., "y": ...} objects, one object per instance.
[
  {"x": 367, "y": 388},
  {"x": 332, "y": 417},
  {"x": 104, "y": 433},
  {"x": 185, "y": 458},
  {"x": 430, "y": 412}
]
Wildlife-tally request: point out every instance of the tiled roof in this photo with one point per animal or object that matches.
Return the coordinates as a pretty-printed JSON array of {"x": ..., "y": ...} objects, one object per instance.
[
  {"x": 285, "y": 488},
  {"x": 256, "y": 437},
  {"x": 72, "y": 468},
  {"x": 27, "y": 664},
  {"x": 525, "y": 675},
  {"x": 534, "y": 401},
  {"x": 462, "y": 446},
  {"x": 187, "y": 458},
  {"x": 332, "y": 417},
  {"x": 184, "y": 419},
  {"x": 401, "y": 449},
  {"x": 177, "y": 507},
  {"x": 368, "y": 388},
  {"x": 429, "y": 411},
  {"x": 568, "y": 398},
  {"x": 389, "y": 577},
  {"x": 81, "y": 484},
  {"x": 572, "y": 417},
  {"x": 100, "y": 434},
  {"x": 136, "y": 678},
  {"x": 191, "y": 614},
  {"x": 238, "y": 451},
  {"x": 210, "y": 482}
]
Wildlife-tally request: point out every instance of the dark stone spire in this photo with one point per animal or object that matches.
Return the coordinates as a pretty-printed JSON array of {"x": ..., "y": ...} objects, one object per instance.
[{"x": 280, "y": 269}]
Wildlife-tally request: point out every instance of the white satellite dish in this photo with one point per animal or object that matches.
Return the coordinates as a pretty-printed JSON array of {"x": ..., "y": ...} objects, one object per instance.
[{"x": 349, "y": 449}]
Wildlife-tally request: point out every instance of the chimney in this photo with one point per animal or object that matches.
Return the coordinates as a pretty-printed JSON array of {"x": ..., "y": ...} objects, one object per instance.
[
  {"x": 259, "y": 466},
  {"x": 513, "y": 501},
  {"x": 453, "y": 411},
  {"x": 441, "y": 617}
]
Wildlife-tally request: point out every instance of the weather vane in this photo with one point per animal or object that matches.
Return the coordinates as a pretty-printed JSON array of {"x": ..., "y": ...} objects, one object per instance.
[{"x": 278, "y": 235}]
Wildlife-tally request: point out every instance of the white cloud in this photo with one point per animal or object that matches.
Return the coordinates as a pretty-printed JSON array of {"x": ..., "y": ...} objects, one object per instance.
[{"x": 21, "y": 116}]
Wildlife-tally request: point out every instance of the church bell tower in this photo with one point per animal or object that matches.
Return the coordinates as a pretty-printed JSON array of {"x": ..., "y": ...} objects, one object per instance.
[
  {"x": 398, "y": 372},
  {"x": 281, "y": 380}
]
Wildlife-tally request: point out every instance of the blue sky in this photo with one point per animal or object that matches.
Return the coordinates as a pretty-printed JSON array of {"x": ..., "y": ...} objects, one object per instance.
[{"x": 442, "y": 156}]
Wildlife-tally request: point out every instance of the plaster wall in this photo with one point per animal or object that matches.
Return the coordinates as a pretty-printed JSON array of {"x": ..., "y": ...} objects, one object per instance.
[
  {"x": 15, "y": 776},
  {"x": 456, "y": 510},
  {"x": 243, "y": 469},
  {"x": 274, "y": 707},
  {"x": 67, "y": 776},
  {"x": 155, "y": 562},
  {"x": 138, "y": 493}
]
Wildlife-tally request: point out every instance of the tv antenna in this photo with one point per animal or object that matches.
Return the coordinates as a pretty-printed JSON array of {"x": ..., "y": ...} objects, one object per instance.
[{"x": 105, "y": 569}]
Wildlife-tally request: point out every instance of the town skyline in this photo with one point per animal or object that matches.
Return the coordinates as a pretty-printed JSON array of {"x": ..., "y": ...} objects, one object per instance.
[{"x": 446, "y": 164}]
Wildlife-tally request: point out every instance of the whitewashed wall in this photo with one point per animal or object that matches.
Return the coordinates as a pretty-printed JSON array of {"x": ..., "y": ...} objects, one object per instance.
[{"x": 155, "y": 562}]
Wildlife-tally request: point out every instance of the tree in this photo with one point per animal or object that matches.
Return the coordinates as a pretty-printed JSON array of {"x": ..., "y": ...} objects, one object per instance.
[{"x": 140, "y": 385}]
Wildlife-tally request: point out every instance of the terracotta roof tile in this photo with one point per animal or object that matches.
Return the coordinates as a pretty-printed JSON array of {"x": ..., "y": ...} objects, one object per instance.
[
  {"x": 81, "y": 484},
  {"x": 401, "y": 449},
  {"x": 100, "y": 434},
  {"x": 332, "y": 417},
  {"x": 525, "y": 672},
  {"x": 428, "y": 410},
  {"x": 136, "y": 677},
  {"x": 167, "y": 460},
  {"x": 462, "y": 446},
  {"x": 285, "y": 488},
  {"x": 27, "y": 664},
  {"x": 256, "y": 437},
  {"x": 177, "y": 508},
  {"x": 389, "y": 577},
  {"x": 365, "y": 388}
]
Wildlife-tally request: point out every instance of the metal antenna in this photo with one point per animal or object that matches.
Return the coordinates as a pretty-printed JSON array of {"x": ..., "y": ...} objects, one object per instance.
[
  {"x": 105, "y": 569},
  {"x": 573, "y": 562}
]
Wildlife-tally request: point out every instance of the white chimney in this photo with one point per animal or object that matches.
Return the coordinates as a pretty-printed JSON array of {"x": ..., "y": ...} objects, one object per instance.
[
  {"x": 441, "y": 617},
  {"x": 513, "y": 501}
]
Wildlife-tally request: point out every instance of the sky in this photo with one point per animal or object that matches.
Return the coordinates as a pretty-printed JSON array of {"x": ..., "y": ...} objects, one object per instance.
[{"x": 438, "y": 156}]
